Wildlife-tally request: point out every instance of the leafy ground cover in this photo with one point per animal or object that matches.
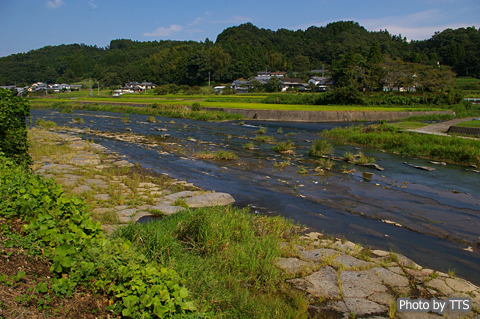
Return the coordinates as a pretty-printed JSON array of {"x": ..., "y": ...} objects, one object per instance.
[
  {"x": 58, "y": 228},
  {"x": 388, "y": 137}
]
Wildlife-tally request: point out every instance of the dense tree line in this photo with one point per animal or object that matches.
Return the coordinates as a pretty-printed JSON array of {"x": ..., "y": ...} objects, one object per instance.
[{"x": 350, "y": 53}]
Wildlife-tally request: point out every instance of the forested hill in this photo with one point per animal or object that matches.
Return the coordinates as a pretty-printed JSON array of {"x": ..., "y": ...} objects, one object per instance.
[{"x": 239, "y": 51}]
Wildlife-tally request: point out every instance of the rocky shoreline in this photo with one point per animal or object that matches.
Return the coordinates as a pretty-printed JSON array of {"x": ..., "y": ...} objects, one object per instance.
[{"x": 341, "y": 279}]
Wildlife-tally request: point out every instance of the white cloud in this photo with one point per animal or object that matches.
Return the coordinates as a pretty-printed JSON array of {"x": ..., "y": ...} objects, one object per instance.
[
  {"x": 92, "y": 4},
  {"x": 416, "y": 26},
  {"x": 54, "y": 4},
  {"x": 196, "y": 21},
  {"x": 164, "y": 32},
  {"x": 234, "y": 19}
]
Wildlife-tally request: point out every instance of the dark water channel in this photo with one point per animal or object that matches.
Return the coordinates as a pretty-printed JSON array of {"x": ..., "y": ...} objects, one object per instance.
[{"x": 439, "y": 210}]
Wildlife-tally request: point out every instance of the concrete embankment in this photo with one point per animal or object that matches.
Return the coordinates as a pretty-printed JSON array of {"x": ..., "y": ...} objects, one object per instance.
[{"x": 305, "y": 116}]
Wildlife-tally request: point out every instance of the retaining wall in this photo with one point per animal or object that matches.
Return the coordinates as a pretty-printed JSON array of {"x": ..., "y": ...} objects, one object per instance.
[{"x": 464, "y": 130}]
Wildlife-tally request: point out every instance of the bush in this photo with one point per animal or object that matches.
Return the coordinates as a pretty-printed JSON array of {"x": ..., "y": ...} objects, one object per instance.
[
  {"x": 45, "y": 124},
  {"x": 14, "y": 113},
  {"x": 320, "y": 148},
  {"x": 284, "y": 147},
  {"x": 224, "y": 155},
  {"x": 196, "y": 106}
]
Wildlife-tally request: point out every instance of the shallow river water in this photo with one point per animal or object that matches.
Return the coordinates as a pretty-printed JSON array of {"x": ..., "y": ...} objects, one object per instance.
[{"x": 439, "y": 211}]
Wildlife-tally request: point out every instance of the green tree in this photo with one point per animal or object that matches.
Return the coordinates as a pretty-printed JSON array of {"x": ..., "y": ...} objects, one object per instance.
[
  {"x": 14, "y": 113},
  {"x": 273, "y": 84},
  {"x": 374, "y": 56}
]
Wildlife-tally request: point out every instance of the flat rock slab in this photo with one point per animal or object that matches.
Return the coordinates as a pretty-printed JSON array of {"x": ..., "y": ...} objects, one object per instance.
[
  {"x": 84, "y": 160},
  {"x": 382, "y": 298},
  {"x": 66, "y": 181},
  {"x": 322, "y": 283},
  {"x": 293, "y": 265},
  {"x": 101, "y": 210},
  {"x": 126, "y": 215},
  {"x": 360, "y": 284},
  {"x": 389, "y": 277},
  {"x": 210, "y": 199},
  {"x": 102, "y": 196},
  {"x": 460, "y": 285},
  {"x": 167, "y": 209},
  {"x": 78, "y": 144},
  {"x": 139, "y": 215},
  {"x": 418, "y": 315},
  {"x": 82, "y": 189},
  {"x": 363, "y": 307},
  {"x": 122, "y": 163},
  {"x": 97, "y": 182},
  {"x": 317, "y": 255},
  {"x": 347, "y": 261},
  {"x": 440, "y": 285},
  {"x": 184, "y": 194},
  {"x": 331, "y": 310},
  {"x": 61, "y": 168}
]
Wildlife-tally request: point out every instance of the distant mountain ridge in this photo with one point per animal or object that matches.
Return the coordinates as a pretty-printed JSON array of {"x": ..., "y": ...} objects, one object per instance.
[{"x": 238, "y": 52}]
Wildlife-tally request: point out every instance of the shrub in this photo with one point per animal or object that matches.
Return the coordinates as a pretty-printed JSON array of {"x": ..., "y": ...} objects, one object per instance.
[
  {"x": 78, "y": 119},
  {"x": 349, "y": 157},
  {"x": 320, "y": 148},
  {"x": 264, "y": 138},
  {"x": 151, "y": 119},
  {"x": 45, "y": 124},
  {"x": 224, "y": 155},
  {"x": 196, "y": 106},
  {"x": 284, "y": 147},
  {"x": 14, "y": 113},
  {"x": 261, "y": 130},
  {"x": 249, "y": 145}
]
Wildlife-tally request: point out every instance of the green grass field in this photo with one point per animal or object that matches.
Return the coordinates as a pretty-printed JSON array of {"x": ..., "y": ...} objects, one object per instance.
[
  {"x": 239, "y": 101},
  {"x": 475, "y": 124}
]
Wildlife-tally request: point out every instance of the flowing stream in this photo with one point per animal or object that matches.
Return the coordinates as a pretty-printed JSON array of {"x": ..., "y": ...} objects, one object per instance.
[{"x": 437, "y": 213}]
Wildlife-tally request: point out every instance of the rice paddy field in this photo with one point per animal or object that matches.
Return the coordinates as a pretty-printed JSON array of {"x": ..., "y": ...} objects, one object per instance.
[{"x": 239, "y": 101}]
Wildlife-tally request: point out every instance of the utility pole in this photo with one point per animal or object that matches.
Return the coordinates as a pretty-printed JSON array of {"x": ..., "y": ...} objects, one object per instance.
[
  {"x": 98, "y": 87},
  {"x": 323, "y": 70},
  {"x": 90, "y": 84},
  {"x": 145, "y": 82},
  {"x": 208, "y": 78}
]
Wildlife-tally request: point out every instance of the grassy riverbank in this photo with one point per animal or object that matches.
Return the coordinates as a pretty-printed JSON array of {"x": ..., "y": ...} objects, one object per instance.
[
  {"x": 166, "y": 110},
  {"x": 387, "y": 137},
  {"x": 209, "y": 262}
]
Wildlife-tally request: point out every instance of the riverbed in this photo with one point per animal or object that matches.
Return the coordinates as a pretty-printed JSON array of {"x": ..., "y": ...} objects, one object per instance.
[{"x": 432, "y": 217}]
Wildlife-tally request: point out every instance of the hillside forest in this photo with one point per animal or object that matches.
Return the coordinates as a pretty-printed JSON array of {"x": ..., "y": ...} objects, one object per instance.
[{"x": 346, "y": 50}]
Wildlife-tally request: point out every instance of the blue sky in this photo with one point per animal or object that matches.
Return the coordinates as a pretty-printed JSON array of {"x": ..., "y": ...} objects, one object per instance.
[{"x": 32, "y": 24}]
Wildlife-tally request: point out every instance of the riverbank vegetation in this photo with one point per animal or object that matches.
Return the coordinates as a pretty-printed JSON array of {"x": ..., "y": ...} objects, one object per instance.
[
  {"x": 165, "y": 110},
  {"x": 388, "y": 137},
  {"x": 210, "y": 262}
]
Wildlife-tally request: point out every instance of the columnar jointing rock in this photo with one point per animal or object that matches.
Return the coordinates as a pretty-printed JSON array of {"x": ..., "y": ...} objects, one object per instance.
[
  {"x": 84, "y": 158},
  {"x": 341, "y": 281}
]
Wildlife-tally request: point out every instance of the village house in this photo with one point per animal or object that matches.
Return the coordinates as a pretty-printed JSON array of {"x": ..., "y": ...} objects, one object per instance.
[{"x": 293, "y": 83}]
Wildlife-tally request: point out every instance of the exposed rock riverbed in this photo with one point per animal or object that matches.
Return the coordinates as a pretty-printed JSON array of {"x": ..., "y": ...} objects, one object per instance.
[{"x": 341, "y": 279}]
